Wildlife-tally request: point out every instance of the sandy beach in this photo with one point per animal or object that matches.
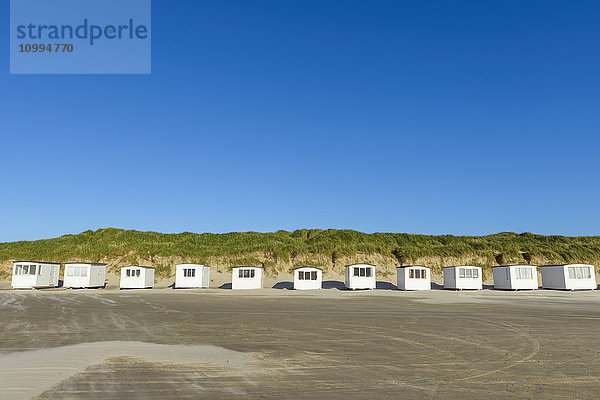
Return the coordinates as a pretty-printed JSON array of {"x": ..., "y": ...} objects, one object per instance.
[{"x": 269, "y": 343}]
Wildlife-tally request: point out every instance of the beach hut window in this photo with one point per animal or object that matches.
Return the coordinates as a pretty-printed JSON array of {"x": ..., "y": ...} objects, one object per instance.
[
  {"x": 32, "y": 270},
  {"x": 26, "y": 269},
  {"x": 137, "y": 273},
  {"x": 468, "y": 273},
  {"x": 523, "y": 273},
  {"x": 579, "y": 273},
  {"x": 362, "y": 271},
  {"x": 189, "y": 272},
  {"x": 77, "y": 271},
  {"x": 246, "y": 273},
  {"x": 418, "y": 273},
  {"x": 307, "y": 275}
]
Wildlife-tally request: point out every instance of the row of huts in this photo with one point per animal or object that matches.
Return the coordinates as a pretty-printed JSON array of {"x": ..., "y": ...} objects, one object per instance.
[{"x": 35, "y": 274}]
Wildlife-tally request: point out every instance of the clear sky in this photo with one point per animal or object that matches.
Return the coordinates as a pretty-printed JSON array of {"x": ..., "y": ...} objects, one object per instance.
[{"x": 434, "y": 117}]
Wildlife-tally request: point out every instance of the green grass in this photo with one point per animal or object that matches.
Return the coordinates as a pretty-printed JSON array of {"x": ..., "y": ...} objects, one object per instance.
[{"x": 281, "y": 250}]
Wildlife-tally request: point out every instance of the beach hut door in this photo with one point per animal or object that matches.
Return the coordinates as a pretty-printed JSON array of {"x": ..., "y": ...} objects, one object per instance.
[{"x": 51, "y": 274}]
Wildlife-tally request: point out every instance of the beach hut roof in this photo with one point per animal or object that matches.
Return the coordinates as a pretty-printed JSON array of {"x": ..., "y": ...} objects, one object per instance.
[{"x": 36, "y": 262}]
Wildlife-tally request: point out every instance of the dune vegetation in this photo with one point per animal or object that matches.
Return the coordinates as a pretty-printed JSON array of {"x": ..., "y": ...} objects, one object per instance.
[{"x": 280, "y": 251}]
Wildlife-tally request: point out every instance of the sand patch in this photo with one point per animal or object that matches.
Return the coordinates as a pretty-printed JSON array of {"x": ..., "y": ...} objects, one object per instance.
[{"x": 27, "y": 374}]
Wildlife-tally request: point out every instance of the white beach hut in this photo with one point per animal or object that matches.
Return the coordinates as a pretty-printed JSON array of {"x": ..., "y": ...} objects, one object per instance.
[
  {"x": 360, "y": 276},
  {"x": 84, "y": 275},
  {"x": 414, "y": 277},
  {"x": 463, "y": 277},
  {"x": 34, "y": 274},
  {"x": 569, "y": 277},
  {"x": 246, "y": 278},
  {"x": 306, "y": 278},
  {"x": 515, "y": 277},
  {"x": 133, "y": 277},
  {"x": 192, "y": 276}
]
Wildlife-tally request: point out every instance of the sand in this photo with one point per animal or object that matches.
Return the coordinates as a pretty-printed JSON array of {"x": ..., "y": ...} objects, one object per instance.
[
  {"x": 272, "y": 344},
  {"x": 24, "y": 375}
]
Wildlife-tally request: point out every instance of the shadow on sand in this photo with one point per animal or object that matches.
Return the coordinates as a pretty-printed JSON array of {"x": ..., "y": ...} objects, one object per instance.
[
  {"x": 382, "y": 285},
  {"x": 284, "y": 285},
  {"x": 225, "y": 286},
  {"x": 334, "y": 285}
]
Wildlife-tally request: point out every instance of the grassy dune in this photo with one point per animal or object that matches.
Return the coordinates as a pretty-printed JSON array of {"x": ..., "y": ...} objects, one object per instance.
[{"x": 280, "y": 251}]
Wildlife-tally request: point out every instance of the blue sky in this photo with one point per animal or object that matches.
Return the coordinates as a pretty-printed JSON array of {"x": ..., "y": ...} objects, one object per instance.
[{"x": 437, "y": 117}]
